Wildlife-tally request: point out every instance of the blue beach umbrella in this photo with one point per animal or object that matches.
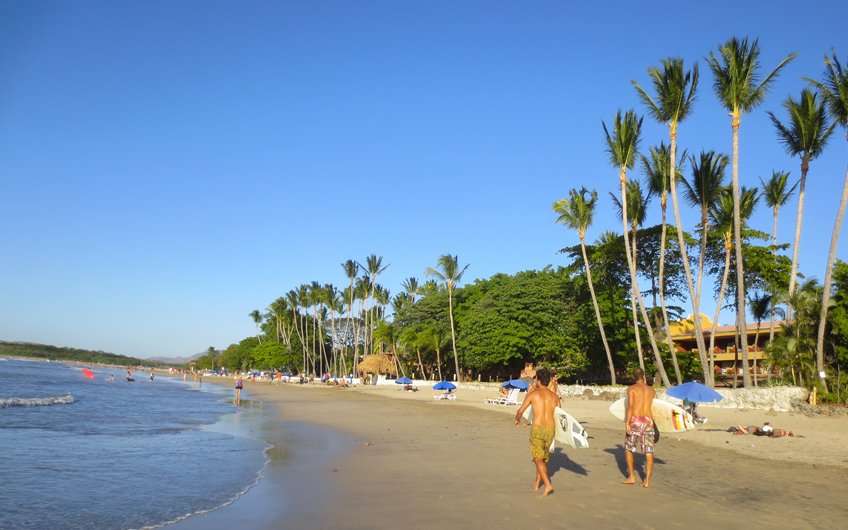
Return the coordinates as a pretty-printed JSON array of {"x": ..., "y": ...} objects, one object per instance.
[
  {"x": 520, "y": 384},
  {"x": 694, "y": 392},
  {"x": 444, "y": 385},
  {"x": 403, "y": 381}
]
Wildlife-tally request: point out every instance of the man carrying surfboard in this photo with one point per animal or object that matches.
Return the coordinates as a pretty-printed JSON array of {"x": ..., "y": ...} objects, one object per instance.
[
  {"x": 639, "y": 427},
  {"x": 543, "y": 428}
]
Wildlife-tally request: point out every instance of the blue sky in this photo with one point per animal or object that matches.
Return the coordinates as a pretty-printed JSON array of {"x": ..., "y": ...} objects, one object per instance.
[{"x": 166, "y": 167}]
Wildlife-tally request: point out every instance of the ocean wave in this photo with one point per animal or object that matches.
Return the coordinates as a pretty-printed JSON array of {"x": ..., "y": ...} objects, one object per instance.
[{"x": 67, "y": 399}]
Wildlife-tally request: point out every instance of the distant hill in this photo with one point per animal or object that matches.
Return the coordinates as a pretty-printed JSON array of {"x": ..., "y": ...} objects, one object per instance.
[
  {"x": 46, "y": 351},
  {"x": 177, "y": 360}
]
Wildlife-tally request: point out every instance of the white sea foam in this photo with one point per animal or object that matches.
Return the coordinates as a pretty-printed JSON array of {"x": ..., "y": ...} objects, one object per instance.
[{"x": 36, "y": 402}]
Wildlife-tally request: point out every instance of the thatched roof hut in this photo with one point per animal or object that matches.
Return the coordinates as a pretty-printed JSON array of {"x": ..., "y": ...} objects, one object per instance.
[{"x": 377, "y": 364}]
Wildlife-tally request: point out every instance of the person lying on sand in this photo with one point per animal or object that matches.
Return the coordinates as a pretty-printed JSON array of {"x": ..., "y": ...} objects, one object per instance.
[{"x": 765, "y": 430}]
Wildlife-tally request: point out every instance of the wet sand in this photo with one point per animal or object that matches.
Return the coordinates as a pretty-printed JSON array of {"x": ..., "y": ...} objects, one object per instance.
[{"x": 419, "y": 463}]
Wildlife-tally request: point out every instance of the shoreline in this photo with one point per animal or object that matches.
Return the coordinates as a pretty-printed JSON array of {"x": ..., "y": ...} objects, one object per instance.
[{"x": 450, "y": 464}]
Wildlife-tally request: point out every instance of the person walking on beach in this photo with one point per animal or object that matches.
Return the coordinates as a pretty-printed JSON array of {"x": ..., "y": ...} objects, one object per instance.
[
  {"x": 542, "y": 431},
  {"x": 239, "y": 386},
  {"x": 639, "y": 427}
]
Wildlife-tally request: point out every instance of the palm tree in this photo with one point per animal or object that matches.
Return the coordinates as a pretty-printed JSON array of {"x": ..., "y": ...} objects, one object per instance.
[
  {"x": 576, "y": 213},
  {"x": 805, "y": 135},
  {"x": 704, "y": 189},
  {"x": 675, "y": 97},
  {"x": 450, "y": 274},
  {"x": 721, "y": 214},
  {"x": 834, "y": 91},
  {"x": 373, "y": 268},
  {"x": 622, "y": 146},
  {"x": 351, "y": 269},
  {"x": 776, "y": 195},
  {"x": 760, "y": 309},
  {"x": 410, "y": 287},
  {"x": 657, "y": 175},
  {"x": 637, "y": 209},
  {"x": 739, "y": 89},
  {"x": 256, "y": 316}
]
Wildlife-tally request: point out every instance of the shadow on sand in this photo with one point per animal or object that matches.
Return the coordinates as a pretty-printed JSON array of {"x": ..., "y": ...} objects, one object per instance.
[
  {"x": 559, "y": 460},
  {"x": 638, "y": 465}
]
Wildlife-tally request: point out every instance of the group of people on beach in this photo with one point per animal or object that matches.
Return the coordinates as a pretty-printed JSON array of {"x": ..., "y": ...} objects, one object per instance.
[{"x": 640, "y": 431}]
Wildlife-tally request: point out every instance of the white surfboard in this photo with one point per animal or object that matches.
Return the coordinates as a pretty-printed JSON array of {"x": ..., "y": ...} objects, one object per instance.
[
  {"x": 568, "y": 430},
  {"x": 668, "y": 416}
]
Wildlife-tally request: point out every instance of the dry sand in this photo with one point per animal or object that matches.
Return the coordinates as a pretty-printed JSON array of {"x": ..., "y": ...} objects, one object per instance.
[{"x": 420, "y": 463}]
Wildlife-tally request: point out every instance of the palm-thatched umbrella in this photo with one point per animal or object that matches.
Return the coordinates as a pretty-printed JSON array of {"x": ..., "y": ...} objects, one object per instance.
[{"x": 377, "y": 364}]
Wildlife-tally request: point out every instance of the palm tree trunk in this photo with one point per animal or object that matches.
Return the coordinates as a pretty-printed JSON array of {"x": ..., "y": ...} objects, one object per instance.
[
  {"x": 597, "y": 310},
  {"x": 756, "y": 345},
  {"x": 724, "y": 277},
  {"x": 420, "y": 364},
  {"x": 671, "y": 348},
  {"x": 634, "y": 289},
  {"x": 699, "y": 333},
  {"x": 828, "y": 280},
  {"x": 699, "y": 287},
  {"x": 453, "y": 334},
  {"x": 634, "y": 283},
  {"x": 740, "y": 266},
  {"x": 439, "y": 361},
  {"x": 799, "y": 217}
]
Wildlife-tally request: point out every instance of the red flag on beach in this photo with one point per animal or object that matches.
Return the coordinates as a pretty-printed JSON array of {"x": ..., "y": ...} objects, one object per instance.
[{"x": 88, "y": 373}]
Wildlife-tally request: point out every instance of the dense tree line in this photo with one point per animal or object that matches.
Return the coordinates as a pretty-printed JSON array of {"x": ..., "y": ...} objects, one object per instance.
[{"x": 44, "y": 351}]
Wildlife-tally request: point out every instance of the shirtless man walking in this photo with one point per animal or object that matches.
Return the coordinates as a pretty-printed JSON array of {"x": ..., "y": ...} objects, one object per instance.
[
  {"x": 639, "y": 427},
  {"x": 542, "y": 431}
]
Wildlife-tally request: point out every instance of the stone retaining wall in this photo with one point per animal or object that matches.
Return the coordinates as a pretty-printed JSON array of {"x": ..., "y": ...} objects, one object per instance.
[{"x": 779, "y": 398}]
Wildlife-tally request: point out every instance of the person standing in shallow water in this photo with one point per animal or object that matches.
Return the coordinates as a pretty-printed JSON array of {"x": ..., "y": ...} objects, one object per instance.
[
  {"x": 239, "y": 387},
  {"x": 639, "y": 427},
  {"x": 542, "y": 430}
]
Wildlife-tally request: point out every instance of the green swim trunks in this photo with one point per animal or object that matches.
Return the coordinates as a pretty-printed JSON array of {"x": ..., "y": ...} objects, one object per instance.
[{"x": 540, "y": 441}]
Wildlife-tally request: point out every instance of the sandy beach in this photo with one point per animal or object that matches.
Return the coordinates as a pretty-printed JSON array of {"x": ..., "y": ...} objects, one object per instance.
[{"x": 419, "y": 463}]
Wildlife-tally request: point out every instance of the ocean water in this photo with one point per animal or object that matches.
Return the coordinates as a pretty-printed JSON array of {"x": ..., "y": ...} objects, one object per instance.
[{"x": 92, "y": 454}]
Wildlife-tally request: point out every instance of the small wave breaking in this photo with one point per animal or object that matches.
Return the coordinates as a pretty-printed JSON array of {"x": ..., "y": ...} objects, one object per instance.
[{"x": 67, "y": 399}]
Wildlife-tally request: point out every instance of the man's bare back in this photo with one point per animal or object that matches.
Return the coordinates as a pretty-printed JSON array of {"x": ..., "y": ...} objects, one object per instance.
[
  {"x": 640, "y": 396},
  {"x": 543, "y": 402}
]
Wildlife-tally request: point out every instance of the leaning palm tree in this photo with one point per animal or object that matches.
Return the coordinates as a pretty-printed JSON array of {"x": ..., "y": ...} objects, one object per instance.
[
  {"x": 805, "y": 135},
  {"x": 675, "y": 96},
  {"x": 658, "y": 179},
  {"x": 702, "y": 191},
  {"x": 450, "y": 274},
  {"x": 637, "y": 208},
  {"x": 576, "y": 213},
  {"x": 721, "y": 214},
  {"x": 622, "y": 146},
  {"x": 410, "y": 287},
  {"x": 739, "y": 89},
  {"x": 256, "y": 316},
  {"x": 776, "y": 195},
  {"x": 834, "y": 91}
]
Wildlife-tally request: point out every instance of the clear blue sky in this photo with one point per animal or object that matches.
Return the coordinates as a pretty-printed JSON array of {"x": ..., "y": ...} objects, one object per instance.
[{"x": 166, "y": 167}]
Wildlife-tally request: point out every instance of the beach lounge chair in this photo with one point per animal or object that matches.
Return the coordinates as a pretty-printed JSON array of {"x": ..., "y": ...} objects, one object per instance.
[
  {"x": 510, "y": 399},
  {"x": 445, "y": 395}
]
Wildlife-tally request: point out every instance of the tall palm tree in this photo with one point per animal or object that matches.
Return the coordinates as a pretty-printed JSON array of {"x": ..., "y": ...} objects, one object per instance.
[
  {"x": 256, "y": 316},
  {"x": 576, "y": 213},
  {"x": 675, "y": 89},
  {"x": 776, "y": 195},
  {"x": 739, "y": 89},
  {"x": 637, "y": 208},
  {"x": 760, "y": 309},
  {"x": 805, "y": 135},
  {"x": 623, "y": 146},
  {"x": 658, "y": 179},
  {"x": 450, "y": 274},
  {"x": 373, "y": 268},
  {"x": 834, "y": 91},
  {"x": 702, "y": 191},
  {"x": 351, "y": 269},
  {"x": 721, "y": 214}
]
